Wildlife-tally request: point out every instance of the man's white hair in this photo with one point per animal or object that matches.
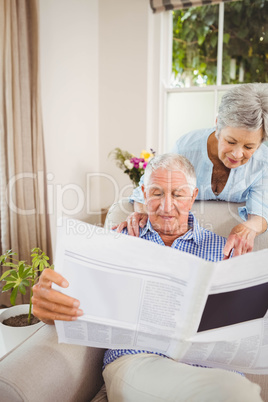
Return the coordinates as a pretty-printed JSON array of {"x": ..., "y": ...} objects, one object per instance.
[{"x": 171, "y": 162}]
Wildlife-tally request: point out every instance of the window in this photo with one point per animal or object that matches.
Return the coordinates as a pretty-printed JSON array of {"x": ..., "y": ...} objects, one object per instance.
[
  {"x": 208, "y": 52},
  {"x": 214, "y": 47}
]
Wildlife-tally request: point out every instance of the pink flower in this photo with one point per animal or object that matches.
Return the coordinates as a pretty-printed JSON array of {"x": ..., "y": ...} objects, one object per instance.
[
  {"x": 136, "y": 162},
  {"x": 144, "y": 165}
]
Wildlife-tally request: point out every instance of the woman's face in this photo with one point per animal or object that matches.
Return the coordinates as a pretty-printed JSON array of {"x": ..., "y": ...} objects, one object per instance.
[{"x": 237, "y": 145}]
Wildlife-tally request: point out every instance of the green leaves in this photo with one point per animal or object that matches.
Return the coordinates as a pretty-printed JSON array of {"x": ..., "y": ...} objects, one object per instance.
[
  {"x": 22, "y": 275},
  {"x": 4, "y": 257},
  {"x": 120, "y": 157},
  {"x": 226, "y": 38},
  {"x": 40, "y": 260},
  {"x": 13, "y": 296},
  {"x": 9, "y": 272},
  {"x": 195, "y": 42}
]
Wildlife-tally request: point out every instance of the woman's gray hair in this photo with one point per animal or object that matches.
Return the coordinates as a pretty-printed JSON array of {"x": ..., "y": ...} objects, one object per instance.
[
  {"x": 245, "y": 106},
  {"x": 171, "y": 162}
]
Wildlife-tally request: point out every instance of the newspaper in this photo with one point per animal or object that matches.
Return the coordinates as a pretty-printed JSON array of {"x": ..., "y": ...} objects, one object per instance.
[{"x": 136, "y": 294}]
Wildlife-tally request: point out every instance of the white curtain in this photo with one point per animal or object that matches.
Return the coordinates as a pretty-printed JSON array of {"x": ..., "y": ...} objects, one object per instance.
[{"x": 23, "y": 214}]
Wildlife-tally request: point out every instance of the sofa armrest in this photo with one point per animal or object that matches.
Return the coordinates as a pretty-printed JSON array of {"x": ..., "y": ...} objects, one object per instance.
[
  {"x": 40, "y": 369},
  {"x": 118, "y": 213},
  {"x": 262, "y": 380}
]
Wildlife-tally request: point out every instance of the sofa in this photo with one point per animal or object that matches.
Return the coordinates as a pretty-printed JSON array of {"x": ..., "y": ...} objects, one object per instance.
[{"x": 40, "y": 369}]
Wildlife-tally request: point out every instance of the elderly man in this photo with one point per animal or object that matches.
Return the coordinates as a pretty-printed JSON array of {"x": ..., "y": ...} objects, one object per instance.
[{"x": 136, "y": 375}]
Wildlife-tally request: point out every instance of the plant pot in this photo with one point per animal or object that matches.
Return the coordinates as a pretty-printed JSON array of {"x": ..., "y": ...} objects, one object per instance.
[{"x": 10, "y": 337}]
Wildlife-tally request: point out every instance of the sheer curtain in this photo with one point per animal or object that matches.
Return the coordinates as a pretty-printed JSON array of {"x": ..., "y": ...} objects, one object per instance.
[{"x": 23, "y": 210}]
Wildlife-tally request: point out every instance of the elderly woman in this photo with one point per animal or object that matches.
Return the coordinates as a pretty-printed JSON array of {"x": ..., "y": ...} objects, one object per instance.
[{"x": 231, "y": 164}]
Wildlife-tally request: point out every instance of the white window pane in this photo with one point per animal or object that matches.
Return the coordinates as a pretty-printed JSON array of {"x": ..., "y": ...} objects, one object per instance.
[{"x": 186, "y": 112}]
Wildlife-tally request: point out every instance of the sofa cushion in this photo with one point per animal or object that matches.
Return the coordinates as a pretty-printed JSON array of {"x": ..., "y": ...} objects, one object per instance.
[
  {"x": 101, "y": 395},
  {"x": 55, "y": 372}
]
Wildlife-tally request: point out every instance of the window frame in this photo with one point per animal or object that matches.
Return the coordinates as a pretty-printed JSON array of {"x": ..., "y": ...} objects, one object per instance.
[{"x": 160, "y": 30}]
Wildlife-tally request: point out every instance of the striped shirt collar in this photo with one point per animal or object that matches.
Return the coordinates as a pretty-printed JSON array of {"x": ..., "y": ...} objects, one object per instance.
[{"x": 194, "y": 233}]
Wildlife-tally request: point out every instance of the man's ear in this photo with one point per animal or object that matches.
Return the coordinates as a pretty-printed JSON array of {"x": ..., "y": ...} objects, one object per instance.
[
  {"x": 195, "y": 192},
  {"x": 144, "y": 193}
]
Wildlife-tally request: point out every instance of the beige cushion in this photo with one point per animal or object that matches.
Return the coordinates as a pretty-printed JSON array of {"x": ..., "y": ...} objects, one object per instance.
[
  {"x": 118, "y": 213},
  {"x": 262, "y": 380},
  {"x": 42, "y": 370},
  {"x": 101, "y": 395}
]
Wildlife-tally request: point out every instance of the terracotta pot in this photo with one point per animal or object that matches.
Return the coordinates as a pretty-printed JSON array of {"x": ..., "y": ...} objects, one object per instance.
[{"x": 10, "y": 337}]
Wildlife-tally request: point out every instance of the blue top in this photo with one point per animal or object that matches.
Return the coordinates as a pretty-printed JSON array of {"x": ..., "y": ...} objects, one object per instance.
[
  {"x": 247, "y": 183},
  {"x": 197, "y": 241}
]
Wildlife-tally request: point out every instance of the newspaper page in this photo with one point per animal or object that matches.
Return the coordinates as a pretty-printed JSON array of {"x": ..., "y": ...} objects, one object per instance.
[
  {"x": 138, "y": 295},
  {"x": 234, "y": 326}
]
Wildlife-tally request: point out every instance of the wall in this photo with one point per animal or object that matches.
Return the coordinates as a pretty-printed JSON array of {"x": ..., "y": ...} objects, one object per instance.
[
  {"x": 94, "y": 60},
  {"x": 69, "y": 88},
  {"x": 123, "y": 43}
]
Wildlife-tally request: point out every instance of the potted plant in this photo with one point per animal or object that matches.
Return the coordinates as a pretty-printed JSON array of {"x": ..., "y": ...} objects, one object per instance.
[{"x": 19, "y": 277}]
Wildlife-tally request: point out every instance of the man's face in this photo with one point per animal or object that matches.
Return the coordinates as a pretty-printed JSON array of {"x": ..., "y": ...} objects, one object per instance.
[{"x": 169, "y": 198}]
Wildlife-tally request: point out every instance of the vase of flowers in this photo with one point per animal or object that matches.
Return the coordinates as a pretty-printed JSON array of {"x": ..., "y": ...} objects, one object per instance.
[{"x": 133, "y": 166}]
